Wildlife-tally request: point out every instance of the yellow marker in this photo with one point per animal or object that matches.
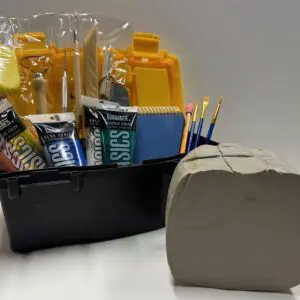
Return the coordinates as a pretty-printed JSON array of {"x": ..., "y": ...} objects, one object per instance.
[{"x": 192, "y": 130}]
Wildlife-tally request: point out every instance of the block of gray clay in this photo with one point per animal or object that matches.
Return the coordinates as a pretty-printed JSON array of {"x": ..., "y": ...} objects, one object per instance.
[{"x": 233, "y": 220}]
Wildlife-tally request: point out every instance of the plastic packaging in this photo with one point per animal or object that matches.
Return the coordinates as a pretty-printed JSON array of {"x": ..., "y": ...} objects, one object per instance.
[
  {"x": 9, "y": 71},
  {"x": 39, "y": 42},
  {"x": 101, "y": 43},
  {"x": 62, "y": 56}
]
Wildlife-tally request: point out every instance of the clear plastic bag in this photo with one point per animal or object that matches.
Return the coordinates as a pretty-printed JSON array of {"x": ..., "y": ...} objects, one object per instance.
[
  {"x": 52, "y": 73},
  {"x": 9, "y": 71},
  {"x": 19, "y": 147},
  {"x": 39, "y": 42},
  {"x": 101, "y": 44}
]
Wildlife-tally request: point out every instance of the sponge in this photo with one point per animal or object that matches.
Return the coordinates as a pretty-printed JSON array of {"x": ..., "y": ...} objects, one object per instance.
[{"x": 9, "y": 71}]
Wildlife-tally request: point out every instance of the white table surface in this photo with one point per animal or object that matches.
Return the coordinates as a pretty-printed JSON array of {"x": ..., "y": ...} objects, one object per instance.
[{"x": 129, "y": 268}]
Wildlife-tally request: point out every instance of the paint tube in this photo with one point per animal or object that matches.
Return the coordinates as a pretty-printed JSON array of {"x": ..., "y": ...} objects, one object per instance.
[
  {"x": 59, "y": 138},
  {"x": 19, "y": 149},
  {"x": 5, "y": 164},
  {"x": 92, "y": 131},
  {"x": 111, "y": 134}
]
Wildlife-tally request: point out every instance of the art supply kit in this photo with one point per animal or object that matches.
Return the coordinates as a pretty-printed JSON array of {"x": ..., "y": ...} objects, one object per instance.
[{"x": 92, "y": 126}]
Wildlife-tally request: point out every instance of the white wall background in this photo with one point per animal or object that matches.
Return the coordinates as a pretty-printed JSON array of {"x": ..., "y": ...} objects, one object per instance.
[{"x": 246, "y": 50}]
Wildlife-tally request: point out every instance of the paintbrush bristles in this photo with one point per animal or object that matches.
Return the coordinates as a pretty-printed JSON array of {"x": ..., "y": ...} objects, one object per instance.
[
  {"x": 204, "y": 106},
  {"x": 90, "y": 64},
  {"x": 215, "y": 116},
  {"x": 195, "y": 113}
]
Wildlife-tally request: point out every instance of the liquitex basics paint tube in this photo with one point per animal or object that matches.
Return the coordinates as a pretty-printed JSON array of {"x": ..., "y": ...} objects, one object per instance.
[
  {"x": 110, "y": 137},
  {"x": 20, "y": 150},
  {"x": 57, "y": 133},
  {"x": 91, "y": 125}
]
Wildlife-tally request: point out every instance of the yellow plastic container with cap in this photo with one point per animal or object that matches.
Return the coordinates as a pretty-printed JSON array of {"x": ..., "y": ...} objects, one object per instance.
[{"x": 154, "y": 74}]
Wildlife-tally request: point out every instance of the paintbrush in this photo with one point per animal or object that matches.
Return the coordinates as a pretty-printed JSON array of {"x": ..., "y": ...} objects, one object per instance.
[
  {"x": 188, "y": 116},
  {"x": 65, "y": 84},
  {"x": 213, "y": 121},
  {"x": 190, "y": 143},
  {"x": 77, "y": 78},
  {"x": 201, "y": 121}
]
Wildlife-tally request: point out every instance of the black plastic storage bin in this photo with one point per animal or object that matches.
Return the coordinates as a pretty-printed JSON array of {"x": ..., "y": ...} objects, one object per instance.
[{"x": 56, "y": 207}]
